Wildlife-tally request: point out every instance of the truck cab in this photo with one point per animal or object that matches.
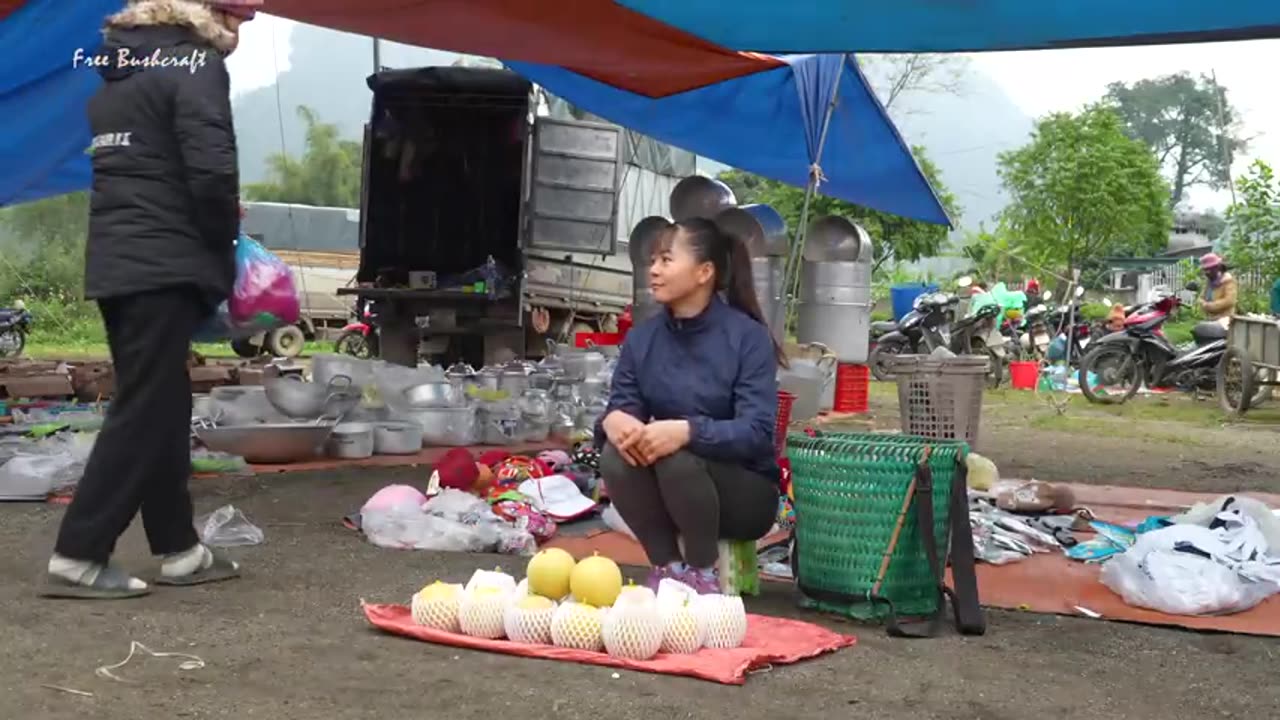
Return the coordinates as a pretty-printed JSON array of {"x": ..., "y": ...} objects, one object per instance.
[{"x": 485, "y": 228}]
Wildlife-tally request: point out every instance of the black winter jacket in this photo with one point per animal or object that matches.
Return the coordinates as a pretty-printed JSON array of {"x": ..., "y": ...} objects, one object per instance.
[{"x": 164, "y": 210}]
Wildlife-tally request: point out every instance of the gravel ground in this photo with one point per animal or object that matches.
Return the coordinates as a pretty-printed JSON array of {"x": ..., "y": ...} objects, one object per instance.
[{"x": 287, "y": 640}]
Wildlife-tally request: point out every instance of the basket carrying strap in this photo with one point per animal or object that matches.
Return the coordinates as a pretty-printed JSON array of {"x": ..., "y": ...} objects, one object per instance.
[{"x": 969, "y": 618}]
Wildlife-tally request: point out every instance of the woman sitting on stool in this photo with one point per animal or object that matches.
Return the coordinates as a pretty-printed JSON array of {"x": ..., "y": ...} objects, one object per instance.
[{"x": 687, "y": 439}]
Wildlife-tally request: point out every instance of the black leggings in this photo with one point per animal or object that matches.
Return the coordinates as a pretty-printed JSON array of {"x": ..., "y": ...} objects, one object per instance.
[{"x": 683, "y": 495}]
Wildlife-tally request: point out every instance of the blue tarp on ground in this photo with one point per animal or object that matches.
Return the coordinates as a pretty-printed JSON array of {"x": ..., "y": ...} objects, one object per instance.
[
  {"x": 769, "y": 123},
  {"x": 954, "y": 26},
  {"x": 43, "y": 95}
]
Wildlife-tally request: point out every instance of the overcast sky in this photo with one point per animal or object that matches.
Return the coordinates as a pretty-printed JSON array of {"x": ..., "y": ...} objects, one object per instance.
[{"x": 1037, "y": 81}]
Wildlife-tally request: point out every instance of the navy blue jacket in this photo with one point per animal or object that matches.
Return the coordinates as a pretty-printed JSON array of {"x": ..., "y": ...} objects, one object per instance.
[{"x": 716, "y": 370}]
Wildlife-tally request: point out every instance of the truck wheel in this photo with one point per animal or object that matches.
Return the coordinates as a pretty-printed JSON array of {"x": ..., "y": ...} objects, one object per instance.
[
  {"x": 246, "y": 348},
  {"x": 286, "y": 342}
]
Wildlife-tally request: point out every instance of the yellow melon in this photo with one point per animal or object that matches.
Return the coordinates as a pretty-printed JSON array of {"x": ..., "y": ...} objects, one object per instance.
[
  {"x": 596, "y": 581},
  {"x": 528, "y": 620},
  {"x": 632, "y": 628},
  {"x": 684, "y": 631},
  {"x": 436, "y": 606},
  {"x": 548, "y": 573},
  {"x": 577, "y": 625}
]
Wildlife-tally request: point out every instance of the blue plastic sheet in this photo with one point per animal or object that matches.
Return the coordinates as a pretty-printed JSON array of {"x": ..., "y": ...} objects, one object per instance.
[
  {"x": 769, "y": 123},
  {"x": 973, "y": 25}
]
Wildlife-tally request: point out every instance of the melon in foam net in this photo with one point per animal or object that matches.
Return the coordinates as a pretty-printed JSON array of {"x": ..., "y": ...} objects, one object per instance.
[
  {"x": 576, "y": 625},
  {"x": 528, "y": 620},
  {"x": 684, "y": 629},
  {"x": 632, "y": 628},
  {"x": 482, "y": 610},
  {"x": 725, "y": 619},
  {"x": 436, "y": 606}
]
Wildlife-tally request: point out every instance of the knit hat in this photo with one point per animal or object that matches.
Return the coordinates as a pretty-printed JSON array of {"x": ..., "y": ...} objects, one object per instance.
[{"x": 243, "y": 9}]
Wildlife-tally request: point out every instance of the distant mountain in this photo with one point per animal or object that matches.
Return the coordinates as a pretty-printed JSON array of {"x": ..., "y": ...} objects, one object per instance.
[{"x": 963, "y": 133}]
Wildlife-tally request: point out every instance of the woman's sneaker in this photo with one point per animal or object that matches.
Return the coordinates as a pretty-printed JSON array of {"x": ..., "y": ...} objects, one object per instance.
[
  {"x": 656, "y": 576},
  {"x": 704, "y": 582}
]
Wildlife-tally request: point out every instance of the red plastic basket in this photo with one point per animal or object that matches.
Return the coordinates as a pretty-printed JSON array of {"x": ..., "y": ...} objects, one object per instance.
[
  {"x": 785, "y": 401},
  {"x": 852, "y": 384}
]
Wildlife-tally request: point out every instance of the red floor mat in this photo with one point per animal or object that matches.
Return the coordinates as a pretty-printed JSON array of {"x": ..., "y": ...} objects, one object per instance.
[{"x": 770, "y": 641}]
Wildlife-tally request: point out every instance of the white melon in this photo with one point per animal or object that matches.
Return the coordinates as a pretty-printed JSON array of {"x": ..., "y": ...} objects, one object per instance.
[
  {"x": 725, "y": 619},
  {"x": 632, "y": 629}
]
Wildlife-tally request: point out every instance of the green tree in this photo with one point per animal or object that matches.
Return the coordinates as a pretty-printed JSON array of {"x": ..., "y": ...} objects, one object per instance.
[
  {"x": 44, "y": 247},
  {"x": 1082, "y": 189},
  {"x": 896, "y": 239},
  {"x": 328, "y": 173},
  {"x": 1187, "y": 122},
  {"x": 1254, "y": 221}
]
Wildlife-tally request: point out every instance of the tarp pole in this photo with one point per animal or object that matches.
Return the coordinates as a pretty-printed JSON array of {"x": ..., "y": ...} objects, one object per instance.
[{"x": 795, "y": 258}]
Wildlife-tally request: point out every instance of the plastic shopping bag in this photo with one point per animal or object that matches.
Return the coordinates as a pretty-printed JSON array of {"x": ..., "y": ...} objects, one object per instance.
[{"x": 263, "y": 298}]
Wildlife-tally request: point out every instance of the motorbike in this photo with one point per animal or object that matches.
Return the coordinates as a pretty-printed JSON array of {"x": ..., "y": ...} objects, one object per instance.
[
  {"x": 359, "y": 338},
  {"x": 1141, "y": 354},
  {"x": 920, "y": 332},
  {"x": 971, "y": 335},
  {"x": 15, "y": 325}
]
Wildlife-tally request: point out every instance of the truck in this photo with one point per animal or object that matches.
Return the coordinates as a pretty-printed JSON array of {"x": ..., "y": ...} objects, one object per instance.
[
  {"x": 321, "y": 245},
  {"x": 489, "y": 222}
]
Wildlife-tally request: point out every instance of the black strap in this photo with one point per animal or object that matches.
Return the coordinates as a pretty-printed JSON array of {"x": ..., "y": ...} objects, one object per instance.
[{"x": 969, "y": 617}]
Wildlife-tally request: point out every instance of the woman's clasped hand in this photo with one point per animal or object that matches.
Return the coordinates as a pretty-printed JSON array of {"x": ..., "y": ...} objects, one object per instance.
[{"x": 643, "y": 444}]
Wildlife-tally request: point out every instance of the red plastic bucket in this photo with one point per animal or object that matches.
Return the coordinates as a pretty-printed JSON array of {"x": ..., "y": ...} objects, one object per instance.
[
  {"x": 785, "y": 401},
  {"x": 852, "y": 383},
  {"x": 1023, "y": 374}
]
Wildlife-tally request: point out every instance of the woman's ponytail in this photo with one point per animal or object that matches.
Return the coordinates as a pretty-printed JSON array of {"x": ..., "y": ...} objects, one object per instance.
[{"x": 740, "y": 288}]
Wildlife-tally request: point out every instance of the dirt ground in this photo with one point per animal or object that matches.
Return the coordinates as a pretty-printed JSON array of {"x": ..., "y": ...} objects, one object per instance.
[{"x": 287, "y": 641}]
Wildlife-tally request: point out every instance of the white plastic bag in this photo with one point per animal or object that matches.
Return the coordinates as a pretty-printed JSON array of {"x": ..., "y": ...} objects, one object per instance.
[
  {"x": 613, "y": 520},
  {"x": 1180, "y": 583},
  {"x": 228, "y": 527},
  {"x": 35, "y": 476}
]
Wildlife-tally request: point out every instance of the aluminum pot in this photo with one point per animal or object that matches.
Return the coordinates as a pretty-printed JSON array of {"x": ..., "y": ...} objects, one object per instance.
[
  {"x": 397, "y": 437},
  {"x": 433, "y": 395},
  {"x": 351, "y": 441},
  {"x": 447, "y": 427},
  {"x": 297, "y": 398}
]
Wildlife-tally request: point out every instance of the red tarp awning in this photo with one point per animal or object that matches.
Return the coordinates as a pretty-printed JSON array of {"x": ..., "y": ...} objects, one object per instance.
[{"x": 596, "y": 38}]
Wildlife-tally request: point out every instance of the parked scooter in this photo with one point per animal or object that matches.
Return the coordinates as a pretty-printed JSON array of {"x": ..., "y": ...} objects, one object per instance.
[
  {"x": 1141, "y": 354},
  {"x": 359, "y": 338},
  {"x": 15, "y": 325},
  {"x": 920, "y": 332}
]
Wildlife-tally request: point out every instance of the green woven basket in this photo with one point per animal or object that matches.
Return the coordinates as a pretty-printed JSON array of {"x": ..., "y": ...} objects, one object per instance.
[{"x": 849, "y": 490}]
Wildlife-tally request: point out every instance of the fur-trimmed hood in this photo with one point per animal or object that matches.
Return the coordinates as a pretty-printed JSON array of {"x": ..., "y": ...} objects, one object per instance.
[{"x": 182, "y": 13}]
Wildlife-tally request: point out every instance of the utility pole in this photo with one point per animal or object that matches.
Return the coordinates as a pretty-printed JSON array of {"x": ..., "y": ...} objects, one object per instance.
[
  {"x": 1222, "y": 133},
  {"x": 377, "y": 56}
]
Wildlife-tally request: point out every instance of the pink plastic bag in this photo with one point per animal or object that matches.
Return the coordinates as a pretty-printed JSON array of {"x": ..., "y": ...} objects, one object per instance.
[{"x": 264, "y": 297}]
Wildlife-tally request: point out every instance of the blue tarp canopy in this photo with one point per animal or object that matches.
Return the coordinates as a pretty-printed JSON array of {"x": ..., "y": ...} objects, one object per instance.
[
  {"x": 960, "y": 26},
  {"x": 769, "y": 123},
  {"x": 43, "y": 92}
]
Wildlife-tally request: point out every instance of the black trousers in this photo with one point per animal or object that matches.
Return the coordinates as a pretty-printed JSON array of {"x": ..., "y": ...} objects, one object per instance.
[
  {"x": 142, "y": 458},
  {"x": 683, "y": 495}
]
